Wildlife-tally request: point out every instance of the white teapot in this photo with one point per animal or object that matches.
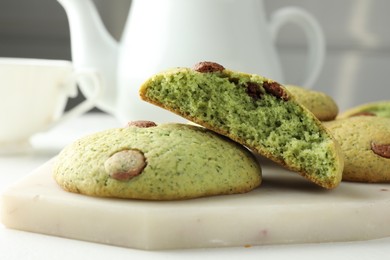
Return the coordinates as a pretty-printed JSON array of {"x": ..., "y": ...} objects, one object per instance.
[{"x": 161, "y": 34}]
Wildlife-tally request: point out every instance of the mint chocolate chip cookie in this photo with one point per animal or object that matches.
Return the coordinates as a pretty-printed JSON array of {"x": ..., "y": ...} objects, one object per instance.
[
  {"x": 156, "y": 162},
  {"x": 254, "y": 111},
  {"x": 365, "y": 143},
  {"x": 379, "y": 108}
]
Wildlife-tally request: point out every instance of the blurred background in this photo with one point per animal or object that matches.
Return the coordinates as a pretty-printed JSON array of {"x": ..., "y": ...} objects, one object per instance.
[{"x": 357, "y": 33}]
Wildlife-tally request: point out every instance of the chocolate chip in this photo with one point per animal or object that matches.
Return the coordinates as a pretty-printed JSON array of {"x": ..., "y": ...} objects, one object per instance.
[
  {"x": 253, "y": 90},
  {"x": 125, "y": 165},
  {"x": 383, "y": 150},
  {"x": 207, "y": 67},
  {"x": 364, "y": 114},
  {"x": 234, "y": 80},
  {"x": 276, "y": 90},
  {"x": 142, "y": 124}
]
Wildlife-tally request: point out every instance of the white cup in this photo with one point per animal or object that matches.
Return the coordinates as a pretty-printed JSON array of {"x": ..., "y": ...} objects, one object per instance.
[{"x": 33, "y": 96}]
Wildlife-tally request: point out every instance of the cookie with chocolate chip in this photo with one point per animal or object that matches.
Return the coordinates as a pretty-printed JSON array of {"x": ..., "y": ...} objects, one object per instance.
[
  {"x": 365, "y": 143},
  {"x": 156, "y": 162},
  {"x": 378, "y": 108},
  {"x": 319, "y": 103},
  {"x": 252, "y": 110}
]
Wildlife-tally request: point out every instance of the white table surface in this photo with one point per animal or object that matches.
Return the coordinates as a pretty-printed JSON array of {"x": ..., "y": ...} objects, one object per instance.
[{"x": 24, "y": 245}]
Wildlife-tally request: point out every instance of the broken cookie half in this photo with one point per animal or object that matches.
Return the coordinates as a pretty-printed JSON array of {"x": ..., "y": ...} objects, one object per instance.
[{"x": 254, "y": 111}]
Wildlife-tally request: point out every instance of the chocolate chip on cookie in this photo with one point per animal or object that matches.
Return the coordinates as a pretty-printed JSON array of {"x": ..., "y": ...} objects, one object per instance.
[
  {"x": 125, "y": 164},
  {"x": 142, "y": 124},
  {"x": 207, "y": 67},
  {"x": 276, "y": 90},
  {"x": 253, "y": 90},
  {"x": 364, "y": 114},
  {"x": 382, "y": 150}
]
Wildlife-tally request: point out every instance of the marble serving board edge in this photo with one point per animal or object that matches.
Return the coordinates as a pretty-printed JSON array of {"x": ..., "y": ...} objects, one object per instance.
[{"x": 285, "y": 209}]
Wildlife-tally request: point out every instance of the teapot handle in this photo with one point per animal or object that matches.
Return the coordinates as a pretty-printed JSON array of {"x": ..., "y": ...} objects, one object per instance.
[
  {"x": 314, "y": 35},
  {"x": 70, "y": 89}
]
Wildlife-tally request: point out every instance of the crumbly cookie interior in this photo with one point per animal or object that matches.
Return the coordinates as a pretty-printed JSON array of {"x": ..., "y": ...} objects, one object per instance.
[{"x": 264, "y": 122}]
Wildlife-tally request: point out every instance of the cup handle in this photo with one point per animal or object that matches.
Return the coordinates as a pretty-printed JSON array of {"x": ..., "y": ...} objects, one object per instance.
[
  {"x": 71, "y": 91},
  {"x": 314, "y": 35}
]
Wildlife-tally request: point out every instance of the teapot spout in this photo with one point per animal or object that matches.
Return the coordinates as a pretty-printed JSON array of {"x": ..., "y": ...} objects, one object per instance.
[{"x": 92, "y": 46}]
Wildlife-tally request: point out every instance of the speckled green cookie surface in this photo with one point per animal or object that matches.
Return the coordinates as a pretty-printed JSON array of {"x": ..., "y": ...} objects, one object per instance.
[
  {"x": 254, "y": 111},
  {"x": 365, "y": 143},
  {"x": 164, "y": 162},
  {"x": 379, "y": 108},
  {"x": 320, "y": 104}
]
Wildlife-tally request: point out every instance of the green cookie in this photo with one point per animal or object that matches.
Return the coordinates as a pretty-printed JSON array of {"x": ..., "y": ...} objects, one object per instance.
[
  {"x": 252, "y": 110},
  {"x": 379, "y": 108},
  {"x": 365, "y": 143},
  {"x": 164, "y": 162}
]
